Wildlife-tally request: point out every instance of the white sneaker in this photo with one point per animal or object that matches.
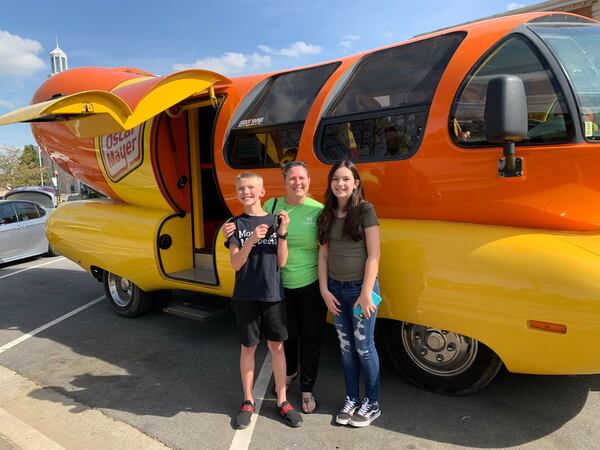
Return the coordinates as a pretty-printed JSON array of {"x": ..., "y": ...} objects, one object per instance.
[
  {"x": 366, "y": 414},
  {"x": 345, "y": 414}
]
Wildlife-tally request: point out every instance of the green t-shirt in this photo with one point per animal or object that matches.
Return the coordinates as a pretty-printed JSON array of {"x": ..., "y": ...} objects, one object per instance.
[{"x": 303, "y": 248}]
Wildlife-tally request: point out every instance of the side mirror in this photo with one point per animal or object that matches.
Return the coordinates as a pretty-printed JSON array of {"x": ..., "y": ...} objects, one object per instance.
[{"x": 505, "y": 119}]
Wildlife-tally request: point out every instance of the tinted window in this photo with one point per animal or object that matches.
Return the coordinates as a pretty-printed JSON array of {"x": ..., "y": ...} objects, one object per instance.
[
  {"x": 267, "y": 148},
  {"x": 397, "y": 76},
  {"x": 27, "y": 211},
  {"x": 41, "y": 210},
  {"x": 578, "y": 51},
  {"x": 385, "y": 137},
  {"x": 7, "y": 214},
  {"x": 382, "y": 111},
  {"x": 268, "y": 133},
  {"x": 548, "y": 118},
  {"x": 286, "y": 98}
]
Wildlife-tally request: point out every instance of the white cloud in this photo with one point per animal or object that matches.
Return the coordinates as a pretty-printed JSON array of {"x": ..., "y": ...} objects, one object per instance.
[
  {"x": 348, "y": 41},
  {"x": 230, "y": 63},
  {"x": 514, "y": 5},
  {"x": 6, "y": 104},
  {"x": 18, "y": 56},
  {"x": 295, "y": 50}
]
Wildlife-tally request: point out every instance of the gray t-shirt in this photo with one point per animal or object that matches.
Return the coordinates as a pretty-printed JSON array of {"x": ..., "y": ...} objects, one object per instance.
[{"x": 346, "y": 258}]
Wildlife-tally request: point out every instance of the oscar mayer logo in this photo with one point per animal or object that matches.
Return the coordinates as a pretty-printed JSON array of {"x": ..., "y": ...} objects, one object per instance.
[{"x": 122, "y": 152}]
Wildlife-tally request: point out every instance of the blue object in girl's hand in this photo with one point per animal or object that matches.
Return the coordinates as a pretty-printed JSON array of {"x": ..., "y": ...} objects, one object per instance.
[{"x": 376, "y": 301}]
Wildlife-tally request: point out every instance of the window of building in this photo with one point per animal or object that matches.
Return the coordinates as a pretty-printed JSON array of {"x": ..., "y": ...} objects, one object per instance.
[
  {"x": 381, "y": 112},
  {"x": 548, "y": 118},
  {"x": 268, "y": 133}
]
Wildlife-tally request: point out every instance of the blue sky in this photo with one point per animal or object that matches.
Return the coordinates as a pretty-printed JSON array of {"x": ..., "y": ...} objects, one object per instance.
[{"x": 232, "y": 37}]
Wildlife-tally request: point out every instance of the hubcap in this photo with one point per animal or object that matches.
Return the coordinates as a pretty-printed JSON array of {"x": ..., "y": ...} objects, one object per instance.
[
  {"x": 437, "y": 351},
  {"x": 121, "y": 290}
]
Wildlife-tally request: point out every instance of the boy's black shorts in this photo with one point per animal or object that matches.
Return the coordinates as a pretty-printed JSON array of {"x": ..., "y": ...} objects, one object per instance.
[{"x": 256, "y": 319}]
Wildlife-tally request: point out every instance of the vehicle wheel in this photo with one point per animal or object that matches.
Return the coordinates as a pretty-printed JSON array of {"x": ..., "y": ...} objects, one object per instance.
[
  {"x": 439, "y": 360},
  {"x": 51, "y": 251},
  {"x": 126, "y": 298}
]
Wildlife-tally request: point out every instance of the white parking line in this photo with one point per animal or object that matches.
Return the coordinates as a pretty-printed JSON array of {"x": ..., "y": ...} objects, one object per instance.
[
  {"x": 242, "y": 438},
  {"x": 17, "y": 341},
  {"x": 32, "y": 267}
]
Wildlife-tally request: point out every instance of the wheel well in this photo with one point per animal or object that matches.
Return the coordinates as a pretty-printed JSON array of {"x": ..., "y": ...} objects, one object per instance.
[
  {"x": 476, "y": 375},
  {"x": 384, "y": 322}
]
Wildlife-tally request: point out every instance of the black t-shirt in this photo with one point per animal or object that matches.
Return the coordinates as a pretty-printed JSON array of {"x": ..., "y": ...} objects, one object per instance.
[{"x": 259, "y": 278}]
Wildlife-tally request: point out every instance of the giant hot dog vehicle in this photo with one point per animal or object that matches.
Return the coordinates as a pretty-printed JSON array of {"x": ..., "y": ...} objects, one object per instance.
[{"x": 479, "y": 146}]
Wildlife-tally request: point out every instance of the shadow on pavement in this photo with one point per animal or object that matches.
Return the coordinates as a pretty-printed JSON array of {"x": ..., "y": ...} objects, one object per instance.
[{"x": 166, "y": 366}]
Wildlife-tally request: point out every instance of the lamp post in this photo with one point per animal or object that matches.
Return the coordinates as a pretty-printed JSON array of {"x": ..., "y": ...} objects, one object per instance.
[{"x": 41, "y": 166}]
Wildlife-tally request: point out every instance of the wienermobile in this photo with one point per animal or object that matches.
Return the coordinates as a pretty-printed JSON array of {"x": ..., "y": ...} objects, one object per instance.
[{"x": 479, "y": 146}]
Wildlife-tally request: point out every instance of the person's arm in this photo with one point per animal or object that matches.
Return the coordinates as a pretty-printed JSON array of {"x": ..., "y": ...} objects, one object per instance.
[
  {"x": 282, "y": 245},
  {"x": 372, "y": 240},
  {"x": 332, "y": 303},
  {"x": 239, "y": 255},
  {"x": 228, "y": 229}
]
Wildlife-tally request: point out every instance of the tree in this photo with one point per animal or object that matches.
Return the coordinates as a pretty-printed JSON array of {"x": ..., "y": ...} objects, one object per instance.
[
  {"x": 30, "y": 156},
  {"x": 20, "y": 167}
]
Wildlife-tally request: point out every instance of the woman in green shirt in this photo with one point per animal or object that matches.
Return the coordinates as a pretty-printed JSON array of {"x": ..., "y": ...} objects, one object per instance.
[{"x": 306, "y": 311}]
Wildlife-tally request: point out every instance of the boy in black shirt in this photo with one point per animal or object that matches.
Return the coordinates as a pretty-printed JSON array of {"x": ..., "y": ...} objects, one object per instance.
[{"x": 258, "y": 248}]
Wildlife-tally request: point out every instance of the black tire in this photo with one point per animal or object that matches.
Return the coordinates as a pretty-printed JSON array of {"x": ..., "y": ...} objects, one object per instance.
[
  {"x": 126, "y": 299},
  {"x": 51, "y": 251},
  {"x": 439, "y": 360}
]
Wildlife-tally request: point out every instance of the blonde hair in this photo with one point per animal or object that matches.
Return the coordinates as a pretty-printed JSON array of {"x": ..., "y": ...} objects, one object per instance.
[{"x": 248, "y": 175}]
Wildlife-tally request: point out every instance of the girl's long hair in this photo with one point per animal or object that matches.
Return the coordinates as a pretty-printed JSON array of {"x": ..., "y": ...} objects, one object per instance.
[{"x": 351, "y": 230}]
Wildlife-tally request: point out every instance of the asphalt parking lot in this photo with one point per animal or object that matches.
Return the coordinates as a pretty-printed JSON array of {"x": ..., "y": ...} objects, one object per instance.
[{"x": 176, "y": 381}]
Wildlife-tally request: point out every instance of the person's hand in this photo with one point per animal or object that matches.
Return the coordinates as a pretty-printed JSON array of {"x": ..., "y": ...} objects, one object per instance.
[
  {"x": 259, "y": 233},
  {"x": 333, "y": 304},
  {"x": 366, "y": 304},
  {"x": 228, "y": 229},
  {"x": 285, "y": 221}
]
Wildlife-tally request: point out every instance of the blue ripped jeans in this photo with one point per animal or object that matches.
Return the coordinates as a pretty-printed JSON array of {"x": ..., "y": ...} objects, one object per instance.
[{"x": 357, "y": 341}]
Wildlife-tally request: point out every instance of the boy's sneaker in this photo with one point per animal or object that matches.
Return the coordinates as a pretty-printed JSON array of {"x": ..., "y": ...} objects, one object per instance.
[
  {"x": 243, "y": 418},
  {"x": 366, "y": 414},
  {"x": 345, "y": 414},
  {"x": 290, "y": 416}
]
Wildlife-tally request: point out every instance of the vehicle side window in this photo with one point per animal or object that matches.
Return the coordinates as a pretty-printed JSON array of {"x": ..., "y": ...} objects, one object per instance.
[
  {"x": 381, "y": 112},
  {"x": 548, "y": 118},
  {"x": 27, "y": 211},
  {"x": 269, "y": 131},
  {"x": 41, "y": 210},
  {"x": 7, "y": 214}
]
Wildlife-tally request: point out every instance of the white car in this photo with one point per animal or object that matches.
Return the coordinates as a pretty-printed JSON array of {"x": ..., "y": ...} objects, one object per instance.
[
  {"x": 42, "y": 195},
  {"x": 23, "y": 230}
]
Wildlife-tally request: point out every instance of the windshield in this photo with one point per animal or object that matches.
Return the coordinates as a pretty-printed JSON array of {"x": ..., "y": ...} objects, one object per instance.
[{"x": 577, "y": 48}]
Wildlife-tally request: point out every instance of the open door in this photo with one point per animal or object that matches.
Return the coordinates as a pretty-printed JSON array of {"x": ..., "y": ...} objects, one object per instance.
[
  {"x": 208, "y": 209},
  {"x": 98, "y": 112}
]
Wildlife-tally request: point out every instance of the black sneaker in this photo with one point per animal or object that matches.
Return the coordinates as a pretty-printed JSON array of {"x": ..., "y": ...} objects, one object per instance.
[
  {"x": 290, "y": 416},
  {"x": 345, "y": 414},
  {"x": 243, "y": 418},
  {"x": 366, "y": 414}
]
